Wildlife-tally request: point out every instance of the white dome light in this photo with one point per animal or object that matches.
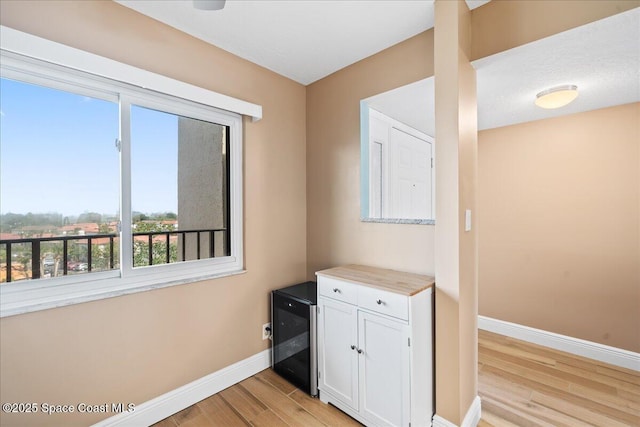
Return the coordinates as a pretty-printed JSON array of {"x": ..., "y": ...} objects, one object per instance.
[
  {"x": 556, "y": 97},
  {"x": 208, "y": 4}
]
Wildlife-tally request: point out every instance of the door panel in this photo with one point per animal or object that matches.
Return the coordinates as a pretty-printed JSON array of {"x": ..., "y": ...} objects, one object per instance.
[
  {"x": 409, "y": 176},
  {"x": 384, "y": 370},
  {"x": 337, "y": 332}
]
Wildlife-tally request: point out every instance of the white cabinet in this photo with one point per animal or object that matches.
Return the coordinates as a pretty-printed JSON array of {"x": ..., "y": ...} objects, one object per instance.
[{"x": 375, "y": 345}]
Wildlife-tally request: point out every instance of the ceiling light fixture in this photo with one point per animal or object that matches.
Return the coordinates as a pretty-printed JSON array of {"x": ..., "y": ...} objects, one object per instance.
[
  {"x": 209, "y": 4},
  {"x": 556, "y": 97}
]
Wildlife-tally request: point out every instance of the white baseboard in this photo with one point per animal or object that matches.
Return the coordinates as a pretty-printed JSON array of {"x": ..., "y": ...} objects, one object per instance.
[
  {"x": 471, "y": 419},
  {"x": 161, "y": 407},
  {"x": 600, "y": 352}
]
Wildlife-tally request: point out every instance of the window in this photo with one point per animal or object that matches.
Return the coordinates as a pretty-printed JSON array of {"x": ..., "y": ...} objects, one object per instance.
[
  {"x": 179, "y": 188},
  {"x": 107, "y": 188},
  {"x": 59, "y": 177}
]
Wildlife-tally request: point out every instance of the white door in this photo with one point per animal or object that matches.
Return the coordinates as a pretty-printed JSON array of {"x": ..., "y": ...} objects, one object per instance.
[
  {"x": 384, "y": 370},
  {"x": 337, "y": 351},
  {"x": 409, "y": 176}
]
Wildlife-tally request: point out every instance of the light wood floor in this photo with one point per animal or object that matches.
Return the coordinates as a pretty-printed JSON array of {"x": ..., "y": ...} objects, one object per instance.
[
  {"x": 264, "y": 399},
  {"x": 520, "y": 384}
]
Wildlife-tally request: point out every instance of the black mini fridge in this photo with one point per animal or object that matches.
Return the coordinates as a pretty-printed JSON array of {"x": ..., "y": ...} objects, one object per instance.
[{"x": 293, "y": 329}]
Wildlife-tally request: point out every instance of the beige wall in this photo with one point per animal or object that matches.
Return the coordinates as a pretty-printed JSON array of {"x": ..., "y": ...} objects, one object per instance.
[
  {"x": 505, "y": 24},
  {"x": 137, "y": 347},
  {"x": 559, "y": 225},
  {"x": 134, "y": 348},
  {"x": 335, "y": 233}
]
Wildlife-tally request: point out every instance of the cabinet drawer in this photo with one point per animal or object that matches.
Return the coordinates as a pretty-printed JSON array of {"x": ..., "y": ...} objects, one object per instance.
[
  {"x": 384, "y": 302},
  {"x": 337, "y": 289}
]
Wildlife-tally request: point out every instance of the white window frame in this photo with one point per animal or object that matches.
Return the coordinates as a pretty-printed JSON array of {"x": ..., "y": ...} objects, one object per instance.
[{"x": 34, "y": 60}]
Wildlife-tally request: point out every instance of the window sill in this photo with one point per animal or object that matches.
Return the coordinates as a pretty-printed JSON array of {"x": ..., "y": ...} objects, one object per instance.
[{"x": 400, "y": 221}]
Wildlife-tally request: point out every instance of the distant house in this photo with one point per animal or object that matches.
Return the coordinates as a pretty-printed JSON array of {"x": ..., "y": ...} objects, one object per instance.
[
  {"x": 81, "y": 228},
  {"x": 39, "y": 230},
  {"x": 9, "y": 236}
]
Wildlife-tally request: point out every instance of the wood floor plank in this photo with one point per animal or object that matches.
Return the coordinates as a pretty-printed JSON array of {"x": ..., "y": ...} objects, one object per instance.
[
  {"x": 167, "y": 422},
  {"x": 247, "y": 405},
  {"x": 492, "y": 363},
  {"x": 612, "y": 400},
  {"x": 558, "y": 355},
  {"x": 276, "y": 380},
  {"x": 562, "y": 394},
  {"x": 576, "y": 411},
  {"x": 617, "y": 383},
  {"x": 221, "y": 413},
  {"x": 187, "y": 414},
  {"x": 533, "y": 411},
  {"x": 623, "y": 374},
  {"x": 595, "y": 384},
  {"x": 290, "y": 412},
  {"x": 198, "y": 421},
  {"x": 511, "y": 414},
  {"x": 489, "y": 419},
  {"x": 268, "y": 419},
  {"x": 552, "y": 371},
  {"x": 509, "y": 348},
  {"x": 492, "y": 384},
  {"x": 632, "y": 398},
  {"x": 328, "y": 414}
]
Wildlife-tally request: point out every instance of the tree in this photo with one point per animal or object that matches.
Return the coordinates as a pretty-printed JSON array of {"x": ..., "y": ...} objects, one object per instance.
[
  {"x": 158, "y": 248},
  {"x": 104, "y": 228},
  {"x": 90, "y": 217}
]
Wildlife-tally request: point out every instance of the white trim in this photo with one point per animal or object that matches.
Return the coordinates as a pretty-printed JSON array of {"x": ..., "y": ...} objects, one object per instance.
[
  {"x": 35, "y": 47},
  {"x": 161, "y": 407},
  {"x": 471, "y": 419},
  {"x": 600, "y": 352}
]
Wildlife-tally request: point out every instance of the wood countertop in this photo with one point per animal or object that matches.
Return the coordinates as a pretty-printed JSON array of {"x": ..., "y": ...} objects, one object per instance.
[{"x": 398, "y": 282}]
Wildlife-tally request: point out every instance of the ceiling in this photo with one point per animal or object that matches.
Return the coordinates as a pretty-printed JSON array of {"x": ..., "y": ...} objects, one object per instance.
[
  {"x": 601, "y": 58},
  {"x": 302, "y": 40},
  {"x": 308, "y": 40}
]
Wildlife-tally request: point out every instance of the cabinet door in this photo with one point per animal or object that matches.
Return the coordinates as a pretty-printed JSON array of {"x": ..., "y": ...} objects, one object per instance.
[
  {"x": 338, "y": 362},
  {"x": 384, "y": 370}
]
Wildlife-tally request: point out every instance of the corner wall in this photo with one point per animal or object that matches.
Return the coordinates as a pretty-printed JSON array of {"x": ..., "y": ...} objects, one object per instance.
[{"x": 559, "y": 217}]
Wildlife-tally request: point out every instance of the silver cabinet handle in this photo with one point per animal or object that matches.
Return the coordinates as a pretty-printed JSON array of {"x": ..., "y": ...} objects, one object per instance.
[
  {"x": 353, "y": 347},
  {"x": 336, "y": 290},
  {"x": 379, "y": 301}
]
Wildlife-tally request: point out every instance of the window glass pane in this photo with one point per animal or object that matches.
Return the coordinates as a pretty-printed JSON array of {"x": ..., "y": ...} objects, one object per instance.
[
  {"x": 179, "y": 188},
  {"x": 59, "y": 183}
]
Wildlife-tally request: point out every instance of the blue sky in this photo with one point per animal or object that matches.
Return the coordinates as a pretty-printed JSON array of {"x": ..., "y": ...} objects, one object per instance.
[{"x": 57, "y": 154}]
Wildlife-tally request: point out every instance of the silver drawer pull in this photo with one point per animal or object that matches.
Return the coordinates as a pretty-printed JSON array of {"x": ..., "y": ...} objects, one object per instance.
[
  {"x": 379, "y": 302},
  {"x": 336, "y": 290}
]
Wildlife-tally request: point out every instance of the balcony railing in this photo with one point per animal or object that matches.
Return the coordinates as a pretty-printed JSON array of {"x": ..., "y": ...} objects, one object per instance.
[{"x": 151, "y": 239}]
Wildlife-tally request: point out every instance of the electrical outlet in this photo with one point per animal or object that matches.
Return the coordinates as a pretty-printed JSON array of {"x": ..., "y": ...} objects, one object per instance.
[{"x": 266, "y": 331}]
